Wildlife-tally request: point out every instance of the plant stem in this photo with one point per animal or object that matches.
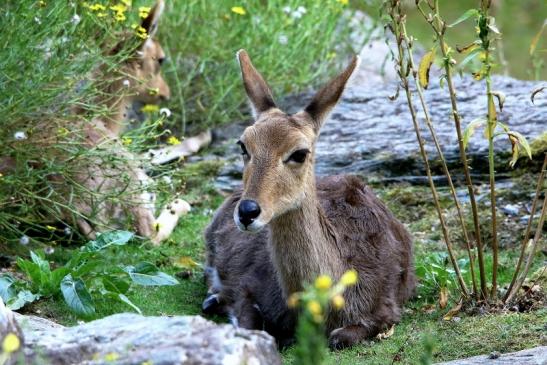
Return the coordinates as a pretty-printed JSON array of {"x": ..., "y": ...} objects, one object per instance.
[
  {"x": 396, "y": 17},
  {"x": 441, "y": 157},
  {"x": 539, "y": 188},
  {"x": 439, "y": 30}
]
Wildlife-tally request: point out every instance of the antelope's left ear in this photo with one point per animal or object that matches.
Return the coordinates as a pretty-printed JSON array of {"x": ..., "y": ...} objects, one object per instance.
[
  {"x": 326, "y": 99},
  {"x": 150, "y": 23}
]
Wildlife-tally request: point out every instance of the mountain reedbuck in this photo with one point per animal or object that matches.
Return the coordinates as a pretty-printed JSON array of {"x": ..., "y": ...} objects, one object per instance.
[{"x": 284, "y": 227}]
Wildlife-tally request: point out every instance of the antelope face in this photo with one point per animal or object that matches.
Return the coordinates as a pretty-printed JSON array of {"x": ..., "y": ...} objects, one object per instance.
[
  {"x": 150, "y": 87},
  {"x": 278, "y": 149},
  {"x": 278, "y": 167}
]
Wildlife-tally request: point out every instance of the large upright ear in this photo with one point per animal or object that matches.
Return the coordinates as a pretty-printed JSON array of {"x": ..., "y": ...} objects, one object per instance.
[
  {"x": 327, "y": 98},
  {"x": 257, "y": 89},
  {"x": 150, "y": 23}
]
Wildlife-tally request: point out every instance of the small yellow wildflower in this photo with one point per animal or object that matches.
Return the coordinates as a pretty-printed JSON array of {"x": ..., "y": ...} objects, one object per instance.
[
  {"x": 101, "y": 15},
  {"x": 292, "y": 302},
  {"x": 144, "y": 11},
  {"x": 141, "y": 32},
  {"x": 314, "y": 307},
  {"x": 153, "y": 91},
  {"x": 239, "y": 10},
  {"x": 150, "y": 108},
  {"x": 349, "y": 277},
  {"x": 323, "y": 282},
  {"x": 11, "y": 343},
  {"x": 173, "y": 140},
  {"x": 157, "y": 226},
  {"x": 126, "y": 141},
  {"x": 50, "y": 228},
  {"x": 338, "y": 301},
  {"x": 119, "y": 8},
  {"x": 343, "y": 2},
  {"x": 42, "y": 3},
  {"x": 119, "y": 17},
  {"x": 126, "y": 2},
  {"x": 111, "y": 356},
  {"x": 97, "y": 7}
]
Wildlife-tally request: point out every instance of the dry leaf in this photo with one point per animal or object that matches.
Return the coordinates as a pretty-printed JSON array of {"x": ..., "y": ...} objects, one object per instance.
[
  {"x": 536, "y": 91},
  {"x": 185, "y": 262},
  {"x": 452, "y": 312},
  {"x": 386, "y": 334},
  {"x": 424, "y": 67},
  {"x": 443, "y": 298}
]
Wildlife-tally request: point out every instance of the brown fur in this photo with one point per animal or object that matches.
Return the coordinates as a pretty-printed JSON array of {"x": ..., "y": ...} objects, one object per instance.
[{"x": 305, "y": 228}]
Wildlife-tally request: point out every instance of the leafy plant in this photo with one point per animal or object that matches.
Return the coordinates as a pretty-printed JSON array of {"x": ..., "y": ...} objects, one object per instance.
[{"x": 84, "y": 277}]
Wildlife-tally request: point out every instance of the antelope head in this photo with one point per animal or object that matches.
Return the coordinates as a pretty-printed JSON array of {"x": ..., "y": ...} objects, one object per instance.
[{"x": 278, "y": 149}]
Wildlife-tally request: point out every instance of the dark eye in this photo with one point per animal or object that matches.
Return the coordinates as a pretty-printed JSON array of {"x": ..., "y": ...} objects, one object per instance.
[
  {"x": 299, "y": 156},
  {"x": 162, "y": 60},
  {"x": 243, "y": 149}
]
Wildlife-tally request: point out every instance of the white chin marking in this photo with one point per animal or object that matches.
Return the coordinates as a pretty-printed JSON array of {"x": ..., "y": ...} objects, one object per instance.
[{"x": 254, "y": 227}]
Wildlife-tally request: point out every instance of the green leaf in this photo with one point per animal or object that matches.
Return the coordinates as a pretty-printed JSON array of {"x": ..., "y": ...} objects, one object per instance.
[
  {"x": 474, "y": 53},
  {"x": 21, "y": 299},
  {"x": 536, "y": 38},
  {"x": 107, "y": 239},
  {"x": 76, "y": 296},
  {"x": 32, "y": 271},
  {"x": 7, "y": 290},
  {"x": 121, "y": 298},
  {"x": 41, "y": 262},
  {"x": 468, "y": 14},
  {"x": 147, "y": 274},
  {"x": 470, "y": 130},
  {"x": 115, "y": 284}
]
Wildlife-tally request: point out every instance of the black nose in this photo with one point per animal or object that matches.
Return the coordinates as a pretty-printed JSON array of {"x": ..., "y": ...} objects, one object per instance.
[{"x": 248, "y": 211}]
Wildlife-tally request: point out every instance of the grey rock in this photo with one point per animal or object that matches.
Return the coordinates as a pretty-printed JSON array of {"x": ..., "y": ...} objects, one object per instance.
[
  {"x": 135, "y": 339},
  {"x": 370, "y": 135},
  {"x": 535, "y": 356},
  {"x": 511, "y": 209}
]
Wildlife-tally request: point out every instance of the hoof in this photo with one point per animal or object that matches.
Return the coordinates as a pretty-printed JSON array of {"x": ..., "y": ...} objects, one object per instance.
[{"x": 211, "y": 304}]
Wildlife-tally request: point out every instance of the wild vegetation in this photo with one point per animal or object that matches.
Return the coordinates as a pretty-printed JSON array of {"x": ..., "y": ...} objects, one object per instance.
[{"x": 477, "y": 267}]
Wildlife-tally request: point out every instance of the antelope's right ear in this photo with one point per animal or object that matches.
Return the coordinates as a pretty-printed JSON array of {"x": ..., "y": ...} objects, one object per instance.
[
  {"x": 257, "y": 89},
  {"x": 150, "y": 23}
]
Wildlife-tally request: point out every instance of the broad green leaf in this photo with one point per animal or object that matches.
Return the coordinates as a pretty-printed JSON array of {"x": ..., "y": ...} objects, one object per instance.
[
  {"x": 32, "y": 271},
  {"x": 21, "y": 299},
  {"x": 115, "y": 284},
  {"x": 85, "y": 268},
  {"x": 424, "y": 67},
  {"x": 468, "y": 14},
  {"x": 147, "y": 274},
  {"x": 41, "y": 262},
  {"x": 57, "y": 276},
  {"x": 7, "y": 290},
  {"x": 107, "y": 239},
  {"x": 122, "y": 298},
  {"x": 76, "y": 296},
  {"x": 470, "y": 130}
]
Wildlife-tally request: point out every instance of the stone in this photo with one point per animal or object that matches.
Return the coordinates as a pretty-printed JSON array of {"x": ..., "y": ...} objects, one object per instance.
[
  {"x": 534, "y": 356},
  {"x": 134, "y": 339}
]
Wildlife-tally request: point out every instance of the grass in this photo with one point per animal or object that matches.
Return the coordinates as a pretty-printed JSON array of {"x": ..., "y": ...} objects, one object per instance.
[{"x": 421, "y": 321}]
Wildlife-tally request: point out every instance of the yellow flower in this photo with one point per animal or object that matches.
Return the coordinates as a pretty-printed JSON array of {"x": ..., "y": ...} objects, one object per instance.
[
  {"x": 173, "y": 140},
  {"x": 111, "y": 356},
  {"x": 323, "y": 282},
  {"x": 50, "y": 228},
  {"x": 153, "y": 91},
  {"x": 144, "y": 11},
  {"x": 150, "y": 108},
  {"x": 338, "y": 301},
  {"x": 96, "y": 7},
  {"x": 314, "y": 307},
  {"x": 120, "y": 17},
  {"x": 101, "y": 15},
  {"x": 141, "y": 32},
  {"x": 349, "y": 277},
  {"x": 126, "y": 141},
  {"x": 119, "y": 8},
  {"x": 126, "y": 2},
  {"x": 239, "y": 10},
  {"x": 11, "y": 343},
  {"x": 42, "y": 3},
  {"x": 292, "y": 302},
  {"x": 157, "y": 227},
  {"x": 343, "y": 2}
]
